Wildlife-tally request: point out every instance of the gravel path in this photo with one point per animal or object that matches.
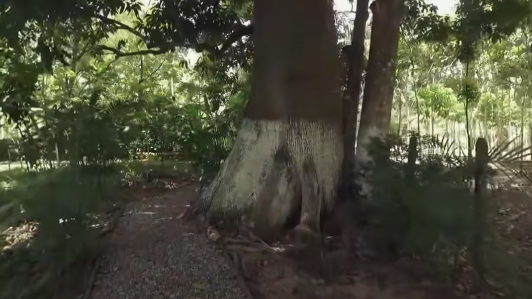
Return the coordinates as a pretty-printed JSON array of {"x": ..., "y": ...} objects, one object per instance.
[{"x": 153, "y": 255}]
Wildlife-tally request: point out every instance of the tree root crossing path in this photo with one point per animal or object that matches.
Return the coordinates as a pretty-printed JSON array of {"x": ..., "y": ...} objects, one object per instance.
[{"x": 153, "y": 254}]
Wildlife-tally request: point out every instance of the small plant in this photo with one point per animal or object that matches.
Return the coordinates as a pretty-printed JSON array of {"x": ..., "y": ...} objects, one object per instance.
[
  {"x": 427, "y": 209},
  {"x": 427, "y": 212}
]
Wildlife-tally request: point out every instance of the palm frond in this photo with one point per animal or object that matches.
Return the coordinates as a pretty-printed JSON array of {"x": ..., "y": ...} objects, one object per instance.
[
  {"x": 499, "y": 150},
  {"x": 510, "y": 161}
]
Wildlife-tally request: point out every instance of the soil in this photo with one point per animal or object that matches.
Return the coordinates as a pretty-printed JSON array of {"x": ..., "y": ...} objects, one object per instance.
[{"x": 289, "y": 271}]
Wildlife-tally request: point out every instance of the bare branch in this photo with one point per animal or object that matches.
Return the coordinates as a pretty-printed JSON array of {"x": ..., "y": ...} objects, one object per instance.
[
  {"x": 236, "y": 35},
  {"x": 233, "y": 37},
  {"x": 153, "y": 73},
  {"x": 119, "y": 25},
  {"x": 240, "y": 32},
  {"x": 119, "y": 53}
]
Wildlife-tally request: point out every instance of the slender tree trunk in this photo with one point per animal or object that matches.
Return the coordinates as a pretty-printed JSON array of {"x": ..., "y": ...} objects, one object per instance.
[
  {"x": 530, "y": 140},
  {"x": 351, "y": 96},
  {"x": 57, "y": 156},
  {"x": 403, "y": 96},
  {"x": 172, "y": 90},
  {"x": 407, "y": 110},
  {"x": 479, "y": 205},
  {"x": 522, "y": 137},
  {"x": 466, "y": 108},
  {"x": 487, "y": 132},
  {"x": 9, "y": 156},
  {"x": 380, "y": 81},
  {"x": 431, "y": 120},
  {"x": 400, "y": 118},
  {"x": 414, "y": 87},
  {"x": 288, "y": 153}
]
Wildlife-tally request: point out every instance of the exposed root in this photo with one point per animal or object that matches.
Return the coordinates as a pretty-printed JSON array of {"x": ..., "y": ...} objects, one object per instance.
[
  {"x": 302, "y": 234},
  {"x": 188, "y": 214},
  {"x": 240, "y": 279}
]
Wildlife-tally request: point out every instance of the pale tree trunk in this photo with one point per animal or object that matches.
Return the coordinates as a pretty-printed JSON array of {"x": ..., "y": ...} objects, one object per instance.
[
  {"x": 380, "y": 81},
  {"x": 288, "y": 152}
]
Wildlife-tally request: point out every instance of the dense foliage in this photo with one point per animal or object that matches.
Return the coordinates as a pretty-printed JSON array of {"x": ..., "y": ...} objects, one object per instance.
[{"x": 93, "y": 85}]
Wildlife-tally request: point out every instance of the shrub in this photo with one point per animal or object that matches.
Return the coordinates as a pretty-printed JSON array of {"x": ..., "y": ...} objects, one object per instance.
[
  {"x": 58, "y": 204},
  {"x": 428, "y": 213}
]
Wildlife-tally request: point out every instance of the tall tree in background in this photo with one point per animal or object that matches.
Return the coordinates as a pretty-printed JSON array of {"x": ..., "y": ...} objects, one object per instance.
[
  {"x": 291, "y": 144},
  {"x": 288, "y": 152},
  {"x": 380, "y": 81},
  {"x": 351, "y": 96}
]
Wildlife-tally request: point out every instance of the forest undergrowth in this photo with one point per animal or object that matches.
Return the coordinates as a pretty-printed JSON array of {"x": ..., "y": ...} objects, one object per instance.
[
  {"x": 432, "y": 215},
  {"x": 88, "y": 87},
  {"x": 423, "y": 219},
  {"x": 53, "y": 220}
]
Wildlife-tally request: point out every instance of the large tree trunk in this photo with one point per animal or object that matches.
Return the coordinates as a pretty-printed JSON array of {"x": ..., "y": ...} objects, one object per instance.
[
  {"x": 380, "y": 81},
  {"x": 351, "y": 96},
  {"x": 288, "y": 152}
]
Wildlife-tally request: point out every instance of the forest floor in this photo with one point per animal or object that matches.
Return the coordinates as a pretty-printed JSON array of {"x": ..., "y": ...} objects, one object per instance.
[
  {"x": 149, "y": 251},
  {"x": 509, "y": 251},
  {"x": 153, "y": 254}
]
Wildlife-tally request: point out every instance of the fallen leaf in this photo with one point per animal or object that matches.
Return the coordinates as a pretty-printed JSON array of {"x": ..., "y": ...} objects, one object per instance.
[{"x": 199, "y": 285}]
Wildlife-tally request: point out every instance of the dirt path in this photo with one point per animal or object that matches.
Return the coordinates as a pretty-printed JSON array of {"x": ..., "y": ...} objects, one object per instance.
[{"x": 154, "y": 255}]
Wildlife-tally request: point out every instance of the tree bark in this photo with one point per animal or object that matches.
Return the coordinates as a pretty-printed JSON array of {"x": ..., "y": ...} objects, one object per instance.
[
  {"x": 380, "y": 81},
  {"x": 351, "y": 96},
  {"x": 287, "y": 155}
]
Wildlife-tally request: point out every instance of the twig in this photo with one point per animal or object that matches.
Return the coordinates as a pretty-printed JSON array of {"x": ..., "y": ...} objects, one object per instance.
[
  {"x": 254, "y": 237},
  {"x": 245, "y": 248},
  {"x": 246, "y": 245}
]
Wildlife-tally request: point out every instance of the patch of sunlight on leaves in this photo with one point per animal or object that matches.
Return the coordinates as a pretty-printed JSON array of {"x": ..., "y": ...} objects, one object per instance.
[{"x": 6, "y": 185}]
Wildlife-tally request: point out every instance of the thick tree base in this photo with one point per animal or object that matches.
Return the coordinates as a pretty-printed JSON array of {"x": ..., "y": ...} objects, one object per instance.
[{"x": 275, "y": 170}]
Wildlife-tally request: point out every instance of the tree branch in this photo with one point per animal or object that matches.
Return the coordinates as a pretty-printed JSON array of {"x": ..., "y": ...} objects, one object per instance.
[
  {"x": 240, "y": 32},
  {"x": 119, "y": 53},
  {"x": 119, "y": 25},
  {"x": 153, "y": 73},
  {"x": 236, "y": 35}
]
